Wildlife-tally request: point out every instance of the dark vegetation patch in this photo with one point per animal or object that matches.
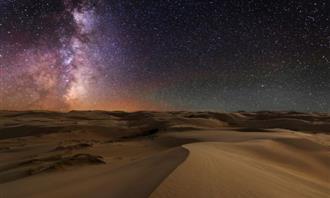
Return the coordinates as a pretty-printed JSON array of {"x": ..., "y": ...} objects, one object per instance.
[
  {"x": 253, "y": 130},
  {"x": 26, "y": 130},
  {"x": 145, "y": 133},
  {"x": 35, "y": 166},
  {"x": 72, "y": 147}
]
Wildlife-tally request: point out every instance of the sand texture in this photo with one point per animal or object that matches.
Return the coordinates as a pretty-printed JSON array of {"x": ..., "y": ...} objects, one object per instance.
[{"x": 164, "y": 154}]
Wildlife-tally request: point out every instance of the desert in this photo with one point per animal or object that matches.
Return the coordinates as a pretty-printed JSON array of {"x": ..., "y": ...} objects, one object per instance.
[{"x": 164, "y": 154}]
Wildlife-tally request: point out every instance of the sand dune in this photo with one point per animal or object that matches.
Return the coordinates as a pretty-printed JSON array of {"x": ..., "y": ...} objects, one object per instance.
[
  {"x": 260, "y": 168},
  {"x": 137, "y": 179},
  {"x": 164, "y": 154}
]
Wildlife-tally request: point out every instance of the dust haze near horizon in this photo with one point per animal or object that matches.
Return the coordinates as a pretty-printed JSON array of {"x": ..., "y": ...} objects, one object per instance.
[{"x": 164, "y": 55}]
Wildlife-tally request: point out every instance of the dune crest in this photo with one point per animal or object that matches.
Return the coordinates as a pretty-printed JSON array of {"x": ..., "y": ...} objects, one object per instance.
[{"x": 258, "y": 168}]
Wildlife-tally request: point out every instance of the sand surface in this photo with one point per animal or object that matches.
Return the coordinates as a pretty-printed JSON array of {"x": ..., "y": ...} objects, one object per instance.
[{"x": 164, "y": 154}]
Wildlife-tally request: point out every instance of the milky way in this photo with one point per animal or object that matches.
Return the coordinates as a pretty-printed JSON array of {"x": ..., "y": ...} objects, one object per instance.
[
  {"x": 77, "y": 56},
  {"x": 165, "y": 55},
  {"x": 60, "y": 74}
]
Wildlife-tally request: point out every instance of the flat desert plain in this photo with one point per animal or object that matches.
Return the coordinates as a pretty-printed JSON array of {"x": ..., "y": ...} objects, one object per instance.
[{"x": 164, "y": 154}]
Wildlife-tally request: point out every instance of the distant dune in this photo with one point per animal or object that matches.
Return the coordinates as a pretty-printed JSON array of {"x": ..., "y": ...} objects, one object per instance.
[{"x": 164, "y": 154}]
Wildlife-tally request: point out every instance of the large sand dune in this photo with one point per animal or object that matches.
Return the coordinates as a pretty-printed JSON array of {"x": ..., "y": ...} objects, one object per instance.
[{"x": 164, "y": 154}]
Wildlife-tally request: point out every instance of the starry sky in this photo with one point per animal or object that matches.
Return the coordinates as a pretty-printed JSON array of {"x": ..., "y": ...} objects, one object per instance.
[{"x": 130, "y": 55}]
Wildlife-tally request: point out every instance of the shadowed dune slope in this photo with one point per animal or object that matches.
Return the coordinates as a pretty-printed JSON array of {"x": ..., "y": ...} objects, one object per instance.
[{"x": 137, "y": 179}]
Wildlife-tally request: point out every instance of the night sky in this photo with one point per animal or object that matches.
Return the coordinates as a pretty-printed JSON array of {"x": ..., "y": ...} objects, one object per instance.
[{"x": 226, "y": 55}]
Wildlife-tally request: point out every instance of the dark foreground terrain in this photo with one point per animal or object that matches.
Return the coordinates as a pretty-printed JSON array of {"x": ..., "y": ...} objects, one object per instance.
[{"x": 164, "y": 154}]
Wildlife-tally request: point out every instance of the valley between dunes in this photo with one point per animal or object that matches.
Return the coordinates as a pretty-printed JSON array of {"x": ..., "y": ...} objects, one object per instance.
[{"x": 164, "y": 154}]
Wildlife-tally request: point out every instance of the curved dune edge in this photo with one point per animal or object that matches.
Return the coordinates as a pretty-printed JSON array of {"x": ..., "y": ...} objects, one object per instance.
[
  {"x": 257, "y": 168},
  {"x": 138, "y": 179}
]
